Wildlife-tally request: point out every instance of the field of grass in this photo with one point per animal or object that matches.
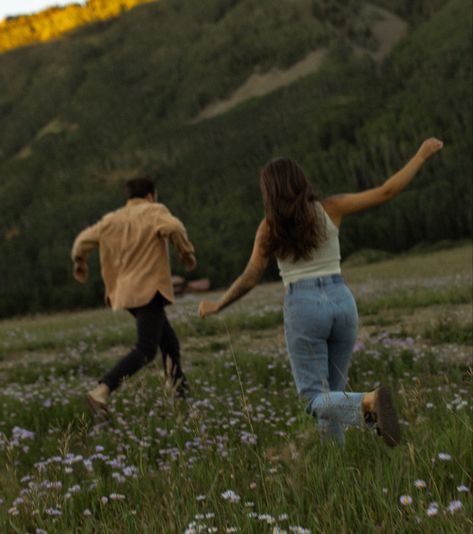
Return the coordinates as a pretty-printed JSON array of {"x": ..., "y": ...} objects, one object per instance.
[{"x": 241, "y": 455}]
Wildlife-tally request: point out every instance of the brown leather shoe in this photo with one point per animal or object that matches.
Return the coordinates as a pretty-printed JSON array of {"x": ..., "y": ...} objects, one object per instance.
[
  {"x": 98, "y": 409},
  {"x": 382, "y": 415}
]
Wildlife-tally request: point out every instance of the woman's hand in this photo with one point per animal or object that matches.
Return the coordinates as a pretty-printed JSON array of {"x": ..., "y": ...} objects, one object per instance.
[
  {"x": 429, "y": 147},
  {"x": 207, "y": 307}
]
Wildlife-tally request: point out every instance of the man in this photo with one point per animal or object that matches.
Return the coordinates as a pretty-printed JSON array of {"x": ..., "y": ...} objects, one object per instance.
[{"x": 134, "y": 258}]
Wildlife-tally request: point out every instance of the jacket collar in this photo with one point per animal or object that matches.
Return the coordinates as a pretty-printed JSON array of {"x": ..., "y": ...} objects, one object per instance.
[{"x": 134, "y": 201}]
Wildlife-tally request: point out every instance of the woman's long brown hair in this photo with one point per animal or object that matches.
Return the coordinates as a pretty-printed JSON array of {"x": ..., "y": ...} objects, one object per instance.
[{"x": 295, "y": 226}]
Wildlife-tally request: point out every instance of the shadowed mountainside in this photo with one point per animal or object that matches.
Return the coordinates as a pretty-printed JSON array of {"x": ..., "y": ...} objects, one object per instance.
[{"x": 119, "y": 98}]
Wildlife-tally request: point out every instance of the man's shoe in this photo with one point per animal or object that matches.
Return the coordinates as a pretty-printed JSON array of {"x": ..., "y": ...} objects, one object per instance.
[
  {"x": 99, "y": 409},
  {"x": 181, "y": 388}
]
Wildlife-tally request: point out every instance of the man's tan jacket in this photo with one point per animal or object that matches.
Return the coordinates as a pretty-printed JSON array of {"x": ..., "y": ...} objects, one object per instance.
[{"x": 134, "y": 257}]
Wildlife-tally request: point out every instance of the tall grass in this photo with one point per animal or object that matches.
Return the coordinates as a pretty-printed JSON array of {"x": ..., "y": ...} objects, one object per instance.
[{"x": 240, "y": 455}]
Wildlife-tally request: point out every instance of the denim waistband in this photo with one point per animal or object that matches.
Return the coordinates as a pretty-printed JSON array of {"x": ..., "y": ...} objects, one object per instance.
[{"x": 320, "y": 281}]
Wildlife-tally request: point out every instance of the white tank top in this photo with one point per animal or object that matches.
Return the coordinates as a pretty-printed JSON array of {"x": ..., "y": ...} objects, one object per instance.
[{"x": 325, "y": 260}]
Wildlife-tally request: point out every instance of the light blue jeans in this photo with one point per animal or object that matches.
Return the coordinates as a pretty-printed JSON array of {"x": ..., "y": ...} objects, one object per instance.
[{"x": 321, "y": 325}]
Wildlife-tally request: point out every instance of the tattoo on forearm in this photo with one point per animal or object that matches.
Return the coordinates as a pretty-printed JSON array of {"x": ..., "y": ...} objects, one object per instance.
[{"x": 242, "y": 285}]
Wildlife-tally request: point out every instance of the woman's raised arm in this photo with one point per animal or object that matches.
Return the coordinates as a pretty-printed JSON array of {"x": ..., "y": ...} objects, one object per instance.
[
  {"x": 245, "y": 282},
  {"x": 340, "y": 205}
]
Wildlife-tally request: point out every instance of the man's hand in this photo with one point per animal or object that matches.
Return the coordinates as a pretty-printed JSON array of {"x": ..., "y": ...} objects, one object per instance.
[
  {"x": 81, "y": 272},
  {"x": 429, "y": 147},
  {"x": 207, "y": 307},
  {"x": 189, "y": 262}
]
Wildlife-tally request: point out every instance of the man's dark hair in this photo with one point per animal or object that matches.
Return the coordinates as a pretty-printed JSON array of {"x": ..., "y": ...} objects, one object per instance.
[{"x": 139, "y": 187}]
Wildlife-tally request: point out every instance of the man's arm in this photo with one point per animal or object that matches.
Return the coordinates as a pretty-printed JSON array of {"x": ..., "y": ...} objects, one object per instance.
[
  {"x": 87, "y": 240},
  {"x": 172, "y": 228}
]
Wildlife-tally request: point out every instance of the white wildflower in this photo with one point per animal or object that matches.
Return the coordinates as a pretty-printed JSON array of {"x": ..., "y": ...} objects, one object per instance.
[
  {"x": 405, "y": 500},
  {"x": 231, "y": 496}
]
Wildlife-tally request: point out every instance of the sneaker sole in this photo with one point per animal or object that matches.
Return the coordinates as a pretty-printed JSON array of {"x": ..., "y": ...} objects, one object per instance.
[
  {"x": 98, "y": 409},
  {"x": 388, "y": 423}
]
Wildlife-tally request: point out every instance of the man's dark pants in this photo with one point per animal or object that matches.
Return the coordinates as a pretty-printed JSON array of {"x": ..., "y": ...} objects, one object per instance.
[{"x": 153, "y": 329}]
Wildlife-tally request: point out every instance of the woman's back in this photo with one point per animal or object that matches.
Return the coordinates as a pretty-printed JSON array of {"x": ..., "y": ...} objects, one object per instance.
[{"x": 324, "y": 261}]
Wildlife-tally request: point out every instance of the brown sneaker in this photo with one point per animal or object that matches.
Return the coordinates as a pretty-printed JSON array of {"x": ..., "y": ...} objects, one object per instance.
[
  {"x": 382, "y": 415},
  {"x": 98, "y": 409}
]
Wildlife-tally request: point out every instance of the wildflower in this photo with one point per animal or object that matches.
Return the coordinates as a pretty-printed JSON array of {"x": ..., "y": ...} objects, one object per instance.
[
  {"x": 21, "y": 433},
  {"x": 104, "y": 500},
  {"x": 247, "y": 437},
  {"x": 41, "y": 531},
  {"x": 13, "y": 511},
  {"x": 266, "y": 517},
  {"x": 130, "y": 471},
  {"x": 299, "y": 530},
  {"x": 88, "y": 465},
  {"x": 385, "y": 491},
  {"x": 405, "y": 500},
  {"x": 87, "y": 512},
  {"x": 462, "y": 489},
  {"x": 444, "y": 456},
  {"x": 53, "y": 511},
  {"x": 231, "y": 496},
  {"x": 420, "y": 484},
  {"x": 117, "y": 497},
  {"x": 200, "y": 498},
  {"x": 253, "y": 485},
  {"x": 431, "y": 511},
  {"x": 53, "y": 485},
  {"x": 454, "y": 506},
  {"x": 118, "y": 477}
]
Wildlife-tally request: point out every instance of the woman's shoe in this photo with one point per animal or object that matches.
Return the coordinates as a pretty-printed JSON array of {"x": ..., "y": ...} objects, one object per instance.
[{"x": 379, "y": 412}]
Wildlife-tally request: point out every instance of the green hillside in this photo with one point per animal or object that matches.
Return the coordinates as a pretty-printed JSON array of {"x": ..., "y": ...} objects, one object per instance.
[{"x": 119, "y": 98}]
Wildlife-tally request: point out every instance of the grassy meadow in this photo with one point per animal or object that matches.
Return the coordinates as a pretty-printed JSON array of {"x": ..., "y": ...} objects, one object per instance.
[{"x": 241, "y": 455}]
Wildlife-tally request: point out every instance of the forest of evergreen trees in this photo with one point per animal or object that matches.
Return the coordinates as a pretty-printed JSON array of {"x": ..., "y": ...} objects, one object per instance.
[{"x": 82, "y": 114}]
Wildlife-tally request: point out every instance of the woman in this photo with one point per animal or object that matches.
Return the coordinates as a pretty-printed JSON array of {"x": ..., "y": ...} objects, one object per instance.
[{"x": 320, "y": 315}]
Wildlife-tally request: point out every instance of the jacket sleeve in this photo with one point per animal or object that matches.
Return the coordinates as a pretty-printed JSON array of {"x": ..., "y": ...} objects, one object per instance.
[
  {"x": 168, "y": 226},
  {"x": 87, "y": 240}
]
